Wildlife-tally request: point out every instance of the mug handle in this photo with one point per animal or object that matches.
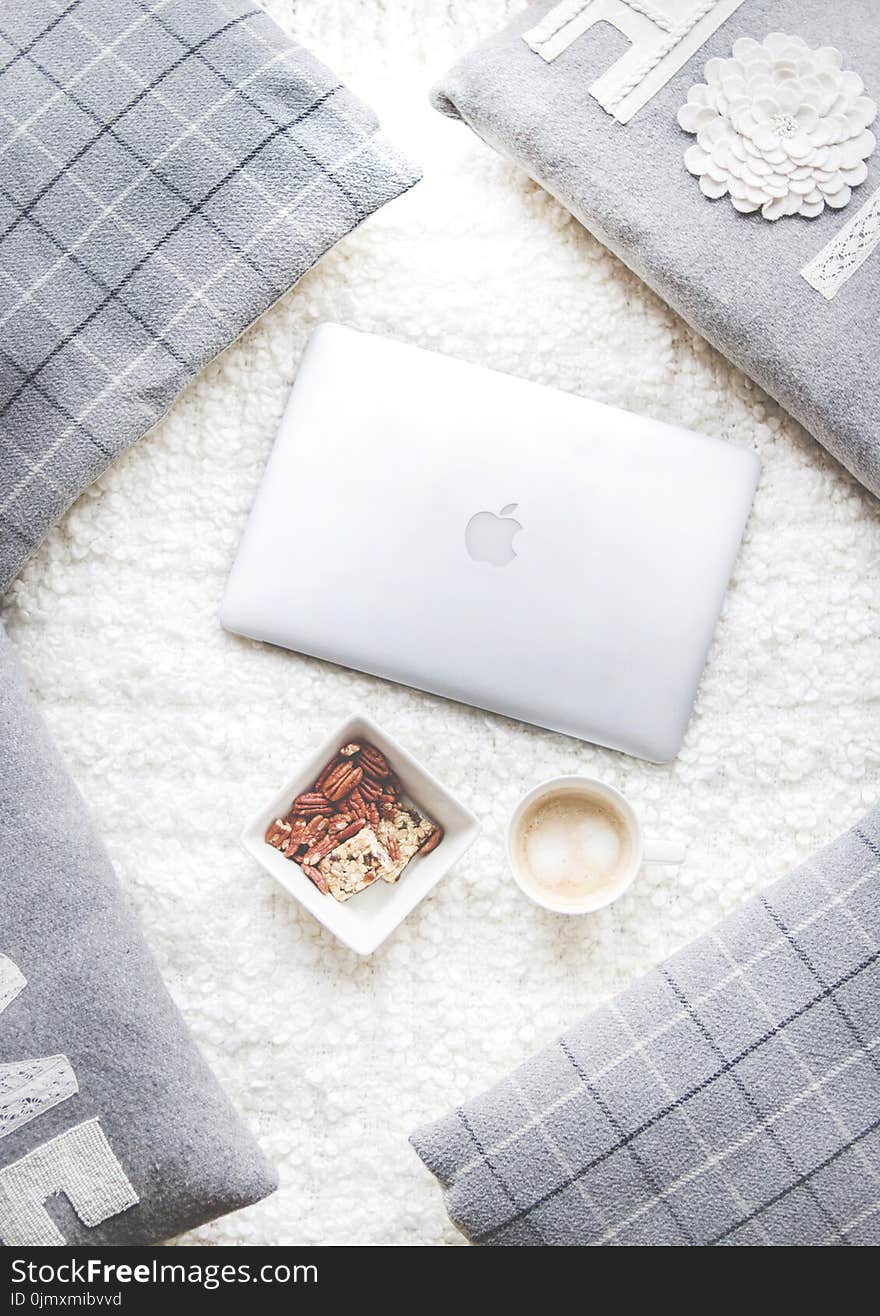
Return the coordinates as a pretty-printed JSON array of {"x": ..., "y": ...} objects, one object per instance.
[{"x": 663, "y": 852}]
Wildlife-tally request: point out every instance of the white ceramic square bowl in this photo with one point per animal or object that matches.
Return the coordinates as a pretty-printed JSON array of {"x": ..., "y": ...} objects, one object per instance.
[{"x": 364, "y": 921}]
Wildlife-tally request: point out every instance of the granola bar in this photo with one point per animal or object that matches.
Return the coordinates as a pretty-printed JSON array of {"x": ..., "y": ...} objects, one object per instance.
[
  {"x": 402, "y": 834},
  {"x": 356, "y": 864}
]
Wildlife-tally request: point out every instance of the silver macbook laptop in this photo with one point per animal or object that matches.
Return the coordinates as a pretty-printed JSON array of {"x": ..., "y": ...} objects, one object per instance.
[{"x": 493, "y": 541}]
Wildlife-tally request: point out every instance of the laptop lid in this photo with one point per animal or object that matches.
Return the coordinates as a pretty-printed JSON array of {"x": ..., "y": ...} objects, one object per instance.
[{"x": 493, "y": 541}]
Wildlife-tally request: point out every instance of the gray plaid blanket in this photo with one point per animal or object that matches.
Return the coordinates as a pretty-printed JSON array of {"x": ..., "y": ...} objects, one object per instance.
[
  {"x": 730, "y": 1097},
  {"x": 168, "y": 168}
]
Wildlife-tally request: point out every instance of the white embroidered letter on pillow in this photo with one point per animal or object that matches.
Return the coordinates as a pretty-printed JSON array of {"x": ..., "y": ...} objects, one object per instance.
[
  {"x": 79, "y": 1162},
  {"x": 664, "y": 34}
]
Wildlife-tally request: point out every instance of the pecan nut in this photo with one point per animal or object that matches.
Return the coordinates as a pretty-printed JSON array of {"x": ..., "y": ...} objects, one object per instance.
[
  {"x": 311, "y": 802},
  {"x": 320, "y": 850},
  {"x": 328, "y": 770},
  {"x": 277, "y": 833},
  {"x": 298, "y": 831},
  {"x": 356, "y": 804},
  {"x": 315, "y": 875},
  {"x": 370, "y": 789},
  {"x": 351, "y": 830},
  {"x": 374, "y": 764},
  {"x": 313, "y": 829},
  {"x": 342, "y": 781},
  {"x": 392, "y": 846},
  {"x": 431, "y": 842}
]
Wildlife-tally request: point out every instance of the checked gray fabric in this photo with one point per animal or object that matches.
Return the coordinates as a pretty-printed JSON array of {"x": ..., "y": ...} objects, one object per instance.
[
  {"x": 168, "y": 168},
  {"x": 730, "y": 1097},
  {"x": 735, "y": 278}
]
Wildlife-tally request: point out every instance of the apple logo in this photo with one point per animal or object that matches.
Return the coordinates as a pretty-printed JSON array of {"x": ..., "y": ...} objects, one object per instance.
[{"x": 489, "y": 538}]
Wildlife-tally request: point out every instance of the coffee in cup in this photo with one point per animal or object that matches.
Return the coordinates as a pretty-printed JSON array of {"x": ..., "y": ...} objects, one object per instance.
[
  {"x": 572, "y": 849},
  {"x": 575, "y": 845}
]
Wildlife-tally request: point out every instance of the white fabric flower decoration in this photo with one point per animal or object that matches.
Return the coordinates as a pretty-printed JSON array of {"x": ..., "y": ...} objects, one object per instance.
[{"x": 780, "y": 127}]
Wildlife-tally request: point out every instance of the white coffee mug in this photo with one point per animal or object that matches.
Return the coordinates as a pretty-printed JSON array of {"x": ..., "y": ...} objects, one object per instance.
[{"x": 641, "y": 850}]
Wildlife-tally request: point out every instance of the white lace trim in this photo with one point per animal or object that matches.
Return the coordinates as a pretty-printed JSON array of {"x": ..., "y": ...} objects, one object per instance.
[
  {"x": 12, "y": 980},
  {"x": 664, "y": 35},
  {"x": 78, "y": 1163},
  {"x": 847, "y": 251},
  {"x": 29, "y": 1087}
]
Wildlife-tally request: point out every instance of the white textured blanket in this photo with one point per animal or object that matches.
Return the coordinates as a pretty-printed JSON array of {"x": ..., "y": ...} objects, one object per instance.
[{"x": 177, "y": 731}]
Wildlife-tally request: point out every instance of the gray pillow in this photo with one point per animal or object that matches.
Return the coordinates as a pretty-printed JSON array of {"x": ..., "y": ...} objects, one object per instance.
[
  {"x": 112, "y": 1128},
  {"x": 166, "y": 173},
  {"x": 732, "y": 1096},
  {"x": 794, "y": 302}
]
